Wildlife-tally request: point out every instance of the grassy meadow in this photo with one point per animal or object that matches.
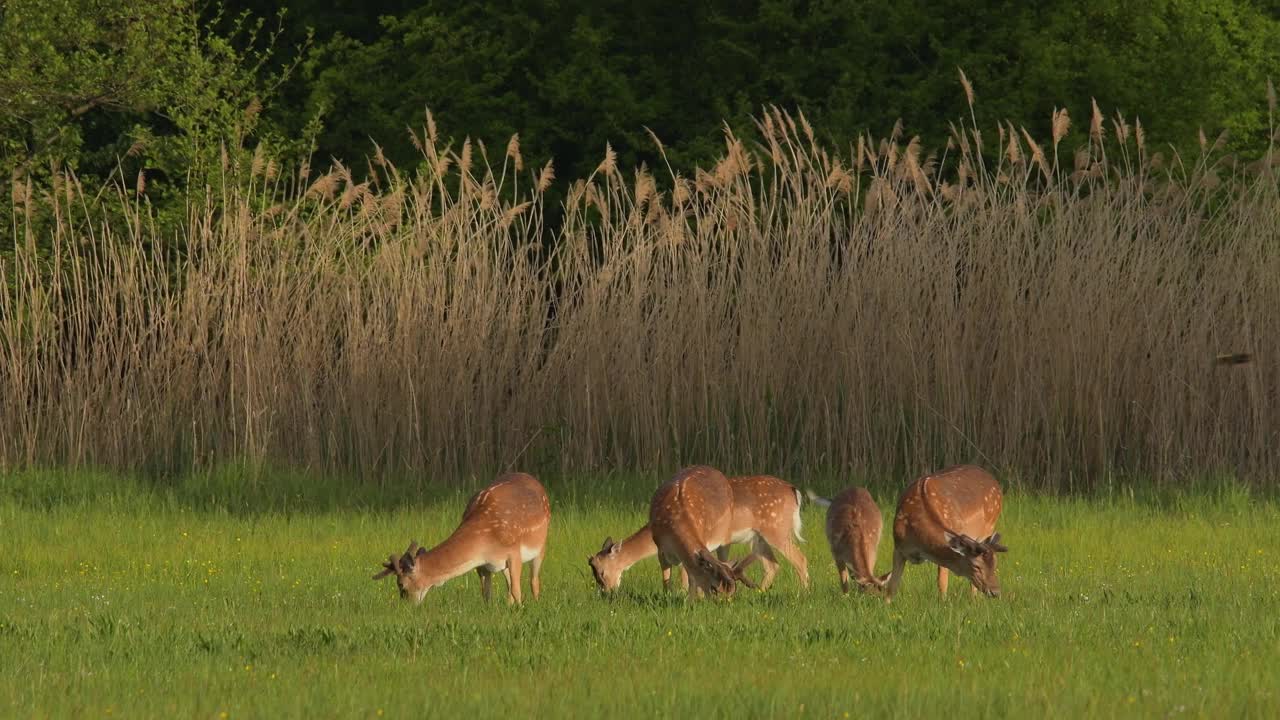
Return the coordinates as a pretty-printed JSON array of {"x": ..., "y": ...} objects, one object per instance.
[
  {"x": 120, "y": 599},
  {"x": 1070, "y": 312}
]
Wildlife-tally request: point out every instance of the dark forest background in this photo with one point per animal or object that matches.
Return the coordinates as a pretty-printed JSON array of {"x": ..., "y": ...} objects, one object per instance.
[{"x": 158, "y": 86}]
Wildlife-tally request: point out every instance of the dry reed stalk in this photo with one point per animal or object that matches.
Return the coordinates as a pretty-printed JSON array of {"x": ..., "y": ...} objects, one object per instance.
[{"x": 794, "y": 311}]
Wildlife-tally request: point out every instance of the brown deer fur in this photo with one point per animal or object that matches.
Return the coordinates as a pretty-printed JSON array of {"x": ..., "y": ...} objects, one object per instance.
[
  {"x": 690, "y": 516},
  {"x": 766, "y": 514},
  {"x": 949, "y": 518},
  {"x": 853, "y": 531},
  {"x": 504, "y": 526}
]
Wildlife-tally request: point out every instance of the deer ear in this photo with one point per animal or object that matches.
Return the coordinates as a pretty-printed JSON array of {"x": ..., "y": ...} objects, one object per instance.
[
  {"x": 421, "y": 551},
  {"x": 993, "y": 544},
  {"x": 608, "y": 545}
]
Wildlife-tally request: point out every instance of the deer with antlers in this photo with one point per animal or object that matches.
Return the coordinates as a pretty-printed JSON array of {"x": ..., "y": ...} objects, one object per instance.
[
  {"x": 766, "y": 515},
  {"x": 504, "y": 526},
  {"x": 690, "y": 516},
  {"x": 949, "y": 518}
]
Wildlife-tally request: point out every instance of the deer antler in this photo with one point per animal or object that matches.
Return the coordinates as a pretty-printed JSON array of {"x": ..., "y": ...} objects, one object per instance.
[
  {"x": 740, "y": 575},
  {"x": 729, "y": 575},
  {"x": 388, "y": 567}
]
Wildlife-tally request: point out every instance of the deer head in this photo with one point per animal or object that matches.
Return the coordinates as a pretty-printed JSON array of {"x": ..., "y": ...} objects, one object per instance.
[
  {"x": 873, "y": 585},
  {"x": 978, "y": 558},
  {"x": 408, "y": 580},
  {"x": 724, "y": 577},
  {"x": 607, "y": 566}
]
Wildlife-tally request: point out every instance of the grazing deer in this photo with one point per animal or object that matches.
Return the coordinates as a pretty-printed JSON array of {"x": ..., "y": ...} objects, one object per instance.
[
  {"x": 504, "y": 526},
  {"x": 614, "y": 559},
  {"x": 940, "y": 517},
  {"x": 690, "y": 516},
  {"x": 766, "y": 514},
  {"x": 853, "y": 531}
]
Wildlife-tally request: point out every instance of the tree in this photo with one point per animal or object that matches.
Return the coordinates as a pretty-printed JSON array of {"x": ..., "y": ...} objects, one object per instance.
[{"x": 85, "y": 84}]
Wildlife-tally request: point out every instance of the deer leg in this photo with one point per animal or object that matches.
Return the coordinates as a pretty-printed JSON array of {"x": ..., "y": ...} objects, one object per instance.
[
  {"x": 684, "y": 578},
  {"x": 895, "y": 577},
  {"x": 764, "y": 553},
  {"x": 844, "y": 576},
  {"x": 869, "y": 559},
  {"x": 782, "y": 542},
  {"x": 535, "y": 580},
  {"x": 513, "y": 580},
  {"x": 943, "y": 576},
  {"x": 486, "y": 582},
  {"x": 796, "y": 557},
  {"x": 666, "y": 577},
  {"x": 694, "y": 586}
]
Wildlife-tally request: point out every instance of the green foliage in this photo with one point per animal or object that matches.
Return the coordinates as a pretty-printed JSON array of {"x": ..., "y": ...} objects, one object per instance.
[
  {"x": 129, "y": 605},
  {"x": 87, "y": 82},
  {"x": 99, "y": 88},
  {"x": 571, "y": 76}
]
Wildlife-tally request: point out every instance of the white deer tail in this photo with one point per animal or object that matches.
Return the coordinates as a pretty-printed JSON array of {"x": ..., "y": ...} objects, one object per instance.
[
  {"x": 816, "y": 499},
  {"x": 797, "y": 523}
]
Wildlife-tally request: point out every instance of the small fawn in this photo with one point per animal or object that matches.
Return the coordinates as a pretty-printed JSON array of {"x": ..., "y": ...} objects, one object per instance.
[
  {"x": 766, "y": 514},
  {"x": 853, "y": 531},
  {"x": 504, "y": 526},
  {"x": 940, "y": 518},
  {"x": 690, "y": 516}
]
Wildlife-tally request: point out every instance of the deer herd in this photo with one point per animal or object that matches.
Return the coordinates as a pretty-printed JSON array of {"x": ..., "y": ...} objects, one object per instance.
[{"x": 947, "y": 518}]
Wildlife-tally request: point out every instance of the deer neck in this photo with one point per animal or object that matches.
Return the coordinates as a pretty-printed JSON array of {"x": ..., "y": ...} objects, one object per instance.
[
  {"x": 636, "y": 548},
  {"x": 459, "y": 554}
]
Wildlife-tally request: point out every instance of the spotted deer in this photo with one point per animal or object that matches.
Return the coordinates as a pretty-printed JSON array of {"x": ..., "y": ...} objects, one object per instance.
[
  {"x": 503, "y": 527},
  {"x": 853, "y": 532},
  {"x": 766, "y": 515},
  {"x": 941, "y": 518},
  {"x": 690, "y": 516}
]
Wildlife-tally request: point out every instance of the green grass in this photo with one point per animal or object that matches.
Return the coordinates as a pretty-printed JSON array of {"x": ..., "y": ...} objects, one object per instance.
[{"x": 120, "y": 600}]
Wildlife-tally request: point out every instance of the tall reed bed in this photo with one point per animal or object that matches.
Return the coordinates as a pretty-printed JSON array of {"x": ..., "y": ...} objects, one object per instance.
[{"x": 795, "y": 308}]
